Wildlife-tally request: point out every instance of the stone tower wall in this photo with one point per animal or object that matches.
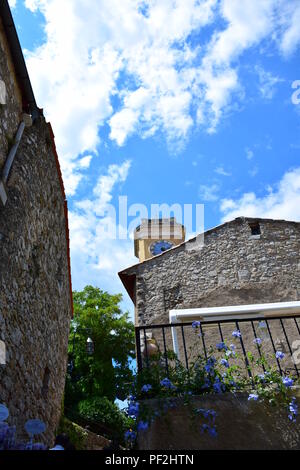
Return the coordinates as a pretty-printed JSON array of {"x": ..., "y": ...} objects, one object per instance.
[{"x": 35, "y": 301}]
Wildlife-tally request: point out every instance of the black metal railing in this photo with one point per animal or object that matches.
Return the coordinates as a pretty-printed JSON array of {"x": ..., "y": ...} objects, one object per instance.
[{"x": 262, "y": 337}]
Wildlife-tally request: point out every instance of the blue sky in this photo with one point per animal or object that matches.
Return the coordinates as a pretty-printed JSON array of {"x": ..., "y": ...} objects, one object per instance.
[{"x": 166, "y": 102}]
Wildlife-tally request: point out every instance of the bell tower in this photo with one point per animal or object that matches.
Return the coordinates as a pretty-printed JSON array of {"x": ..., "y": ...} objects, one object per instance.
[{"x": 154, "y": 236}]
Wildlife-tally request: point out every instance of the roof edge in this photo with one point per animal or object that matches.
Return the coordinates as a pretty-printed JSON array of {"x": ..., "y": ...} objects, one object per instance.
[
  {"x": 29, "y": 103},
  {"x": 54, "y": 151},
  {"x": 210, "y": 230}
]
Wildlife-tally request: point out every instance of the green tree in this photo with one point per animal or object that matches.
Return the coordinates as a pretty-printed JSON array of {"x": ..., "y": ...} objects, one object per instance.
[{"x": 107, "y": 372}]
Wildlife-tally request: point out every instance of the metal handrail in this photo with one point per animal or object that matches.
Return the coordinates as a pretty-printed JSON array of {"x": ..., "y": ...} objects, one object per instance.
[{"x": 144, "y": 361}]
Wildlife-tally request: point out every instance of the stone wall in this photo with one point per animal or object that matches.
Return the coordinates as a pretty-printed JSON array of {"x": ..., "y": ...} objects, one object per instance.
[
  {"x": 232, "y": 268},
  {"x": 35, "y": 302},
  {"x": 240, "y": 424},
  {"x": 10, "y": 113}
]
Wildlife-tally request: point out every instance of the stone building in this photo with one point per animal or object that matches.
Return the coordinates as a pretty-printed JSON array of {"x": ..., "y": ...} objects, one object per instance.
[
  {"x": 35, "y": 294},
  {"x": 227, "y": 272}
]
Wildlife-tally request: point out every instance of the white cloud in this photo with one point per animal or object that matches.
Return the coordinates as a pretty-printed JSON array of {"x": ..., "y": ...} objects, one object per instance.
[
  {"x": 290, "y": 18},
  {"x": 96, "y": 254},
  {"x": 220, "y": 171},
  {"x": 249, "y": 153},
  {"x": 106, "y": 183},
  {"x": 253, "y": 172},
  {"x": 140, "y": 54},
  {"x": 248, "y": 21},
  {"x": 267, "y": 82},
  {"x": 209, "y": 193},
  {"x": 12, "y": 3},
  {"x": 281, "y": 202},
  {"x": 85, "y": 161},
  {"x": 75, "y": 72}
]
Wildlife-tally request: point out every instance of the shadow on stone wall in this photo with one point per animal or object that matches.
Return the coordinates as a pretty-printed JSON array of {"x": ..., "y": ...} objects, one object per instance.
[{"x": 241, "y": 424}]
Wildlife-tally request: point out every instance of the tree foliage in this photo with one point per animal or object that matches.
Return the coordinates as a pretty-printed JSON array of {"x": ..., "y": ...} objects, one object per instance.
[
  {"x": 107, "y": 372},
  {"x": 103, "y": 410}
]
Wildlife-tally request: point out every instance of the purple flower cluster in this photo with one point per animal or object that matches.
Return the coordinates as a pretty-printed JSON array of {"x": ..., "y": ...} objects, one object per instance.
[
  {"x": 208, "y": 414},
  {"x": 218, "y": 386},
  {"x": 236, "y": 334},
  {"x": 145, "y": 388},
  {"x": 206, "y": 384},
  {"x": 209, "y": 366},
  {"x": 293, "y": 410},
  {"x": 224, "y": 363},
  {"x": 142, "y": 426},
  {"x": 8, "y": 440},
  {"x": 221, "y": 346},
  {"x": 257, "y": 341},
  {"x": 210, "y": 427},
  {"x": 212, "y": 430},
  {"x": 130, "y": 436},
  {"x": 279, "y": 355},
  {"x": 253, "y": 396},
  {"x": 166, "y": 383},
  {"x": 7, "y": 436},
  {"x": 196, "y": 324},
  {"x": 287, "y": 381},
  {"x": 133, "y": 409},
  {"x": 231, "y": 352}
]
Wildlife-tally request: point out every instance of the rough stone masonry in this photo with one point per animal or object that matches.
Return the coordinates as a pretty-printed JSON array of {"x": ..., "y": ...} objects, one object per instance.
[
  {"x": 35, "y": 300},
  {"x": 233, "y": 267},
  {"x": 244, "y": 261}
]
